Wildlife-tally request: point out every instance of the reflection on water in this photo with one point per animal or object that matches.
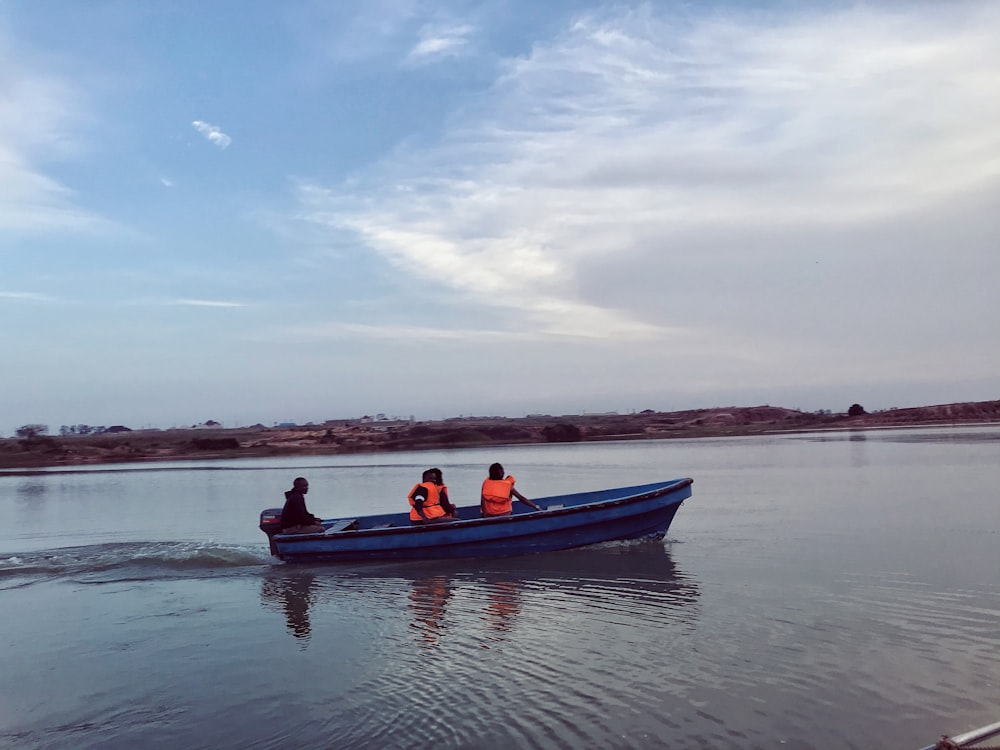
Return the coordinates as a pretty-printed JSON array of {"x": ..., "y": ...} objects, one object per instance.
[
  {"x": 483, "y": 599},
  {"x": 801, "y": 602},
  {"x": 499, "y": 600},
  {"x": 428, "y": 600},
  {"x": 955, "y": 435},
  {"x": 504, "y": 605},
  {"x": 293, "y": 594},
  {"x": 559, "y": 633},
  {"x": 31, "y": 489},
  {"x": 859, "y": 449}
]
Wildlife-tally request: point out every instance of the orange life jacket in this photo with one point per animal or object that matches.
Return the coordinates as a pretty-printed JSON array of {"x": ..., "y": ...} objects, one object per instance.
[
  {"x": 496, "y": 496},
  {"x": 432, "y": 505}
]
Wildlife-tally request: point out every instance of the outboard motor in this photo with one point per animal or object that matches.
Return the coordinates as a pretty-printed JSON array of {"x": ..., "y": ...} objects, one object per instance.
[{"x": 270, "y": 524}]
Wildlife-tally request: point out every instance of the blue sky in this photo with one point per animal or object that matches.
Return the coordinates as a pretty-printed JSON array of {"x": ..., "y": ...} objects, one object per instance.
[{"x": 257, "y": 211}]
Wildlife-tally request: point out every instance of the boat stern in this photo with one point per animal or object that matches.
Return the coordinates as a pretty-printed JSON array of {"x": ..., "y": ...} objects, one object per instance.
[{"x": 270, "y": 524}]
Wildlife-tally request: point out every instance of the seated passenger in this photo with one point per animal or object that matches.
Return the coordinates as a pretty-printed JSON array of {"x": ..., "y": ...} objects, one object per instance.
[
  {"x": 295, "y": 519},
  {"x": 495, "y": 499},
  {"x": 429, "y": 501}
]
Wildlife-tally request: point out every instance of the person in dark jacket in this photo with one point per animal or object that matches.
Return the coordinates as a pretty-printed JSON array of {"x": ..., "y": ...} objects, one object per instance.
[{"x": 295, "y": 519}]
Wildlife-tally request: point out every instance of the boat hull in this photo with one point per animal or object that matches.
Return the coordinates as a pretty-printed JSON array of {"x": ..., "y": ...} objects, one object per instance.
[{"x": 571, "y": 521}]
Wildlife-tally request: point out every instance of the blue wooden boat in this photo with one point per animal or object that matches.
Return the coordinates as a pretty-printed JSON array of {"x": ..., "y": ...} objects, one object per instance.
[{"x": 567, "y": 521}]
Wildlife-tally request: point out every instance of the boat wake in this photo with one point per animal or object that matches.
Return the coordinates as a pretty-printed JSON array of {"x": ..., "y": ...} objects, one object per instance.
[{"x": 128, "y": 561}]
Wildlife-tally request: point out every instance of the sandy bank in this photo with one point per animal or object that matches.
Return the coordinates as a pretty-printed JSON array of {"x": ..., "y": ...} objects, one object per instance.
[{"x": 345, "y": 437}]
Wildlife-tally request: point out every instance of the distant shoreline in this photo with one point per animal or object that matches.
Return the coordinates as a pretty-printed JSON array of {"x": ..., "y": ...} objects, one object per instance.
[{"x": 365, "y": 436}]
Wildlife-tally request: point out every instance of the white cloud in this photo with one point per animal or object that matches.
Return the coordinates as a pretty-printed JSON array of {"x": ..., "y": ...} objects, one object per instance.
[
  {"x": 39, "y": 117},
  {"x": 339, "y": 330},
  {"x": 27, "y": 296},
  {"x": 30, "y": 201},
  {"x": 353, "y": 32},
  {"x": 642, "y": 152},
  {"x": 206, "y": 303},
  {"x": 583, "y": 329},
  {"x": 386, "y": 32},
  {"x": 438, "y": 41},
  {"x": 212, "y": 133}
]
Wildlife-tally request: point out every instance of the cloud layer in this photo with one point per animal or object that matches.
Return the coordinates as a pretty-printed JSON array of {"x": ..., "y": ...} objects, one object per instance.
[
  {"x": 501, "y": 207},
  {"x": 639, "y": 155},
  {"x": 40, "y": 117}
]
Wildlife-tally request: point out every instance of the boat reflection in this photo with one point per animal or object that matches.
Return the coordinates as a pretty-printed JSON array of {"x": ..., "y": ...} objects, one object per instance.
[
  {"x": 428, "y": 600},
  {"x": 484, "y": 599},
  {"x": 504, "y": 604},
  {"x": 292, "y": 594},
  {"x": 499, "y": 602}
]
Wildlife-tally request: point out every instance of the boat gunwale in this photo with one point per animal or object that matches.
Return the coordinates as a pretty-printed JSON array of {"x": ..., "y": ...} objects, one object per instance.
[
  {"x": 973, "y": 737},
  {"x": 666, "y": 488}
]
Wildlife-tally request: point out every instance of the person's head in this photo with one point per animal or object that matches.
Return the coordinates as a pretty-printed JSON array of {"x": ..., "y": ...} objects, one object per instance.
[
  {"x": 301, "y": 484},
  {"x": 433, "y": 475},
  {"x": 496, "y": 471}
]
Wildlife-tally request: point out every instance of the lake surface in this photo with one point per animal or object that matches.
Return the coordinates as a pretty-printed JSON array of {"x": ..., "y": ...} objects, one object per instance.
[{"x": 834, "y": 590}]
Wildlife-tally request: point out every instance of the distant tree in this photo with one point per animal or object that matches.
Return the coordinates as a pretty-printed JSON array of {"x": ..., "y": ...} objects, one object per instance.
[
  {"x": 562, "y": 432},
  {"x": 856, "y": 410},
  {"x": 32, "y": 430},
  {"x": 212, "y": 423},
  {"x": 215, "y": 444},
  {"x": 506, "y": 432},
  {"x": 118, "y": 428},
  {"x": 75, "y": 429}
]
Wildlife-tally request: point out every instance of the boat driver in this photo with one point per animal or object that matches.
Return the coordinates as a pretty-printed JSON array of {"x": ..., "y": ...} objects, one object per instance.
[{"x": 295, "y": 519}]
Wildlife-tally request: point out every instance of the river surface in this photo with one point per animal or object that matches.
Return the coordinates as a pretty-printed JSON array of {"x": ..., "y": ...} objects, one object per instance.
[{"x": 827, "y": 590}]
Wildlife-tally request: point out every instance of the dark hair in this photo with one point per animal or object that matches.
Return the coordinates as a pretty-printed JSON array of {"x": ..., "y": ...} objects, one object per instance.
[
  {"x": 496, "y": 471},
  {"x": 433, "y": 475},
  {"x": 299, "y": 481}
]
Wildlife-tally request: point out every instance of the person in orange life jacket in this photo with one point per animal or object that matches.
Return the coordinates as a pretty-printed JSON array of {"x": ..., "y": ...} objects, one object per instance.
[
  {"x": 495, "y": 499},
  {"x": 295, "y": 519},
  {"x": 429, "y": 501}
]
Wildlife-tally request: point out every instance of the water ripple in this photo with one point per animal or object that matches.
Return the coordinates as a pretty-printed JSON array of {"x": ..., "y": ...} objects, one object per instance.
[{"x": 530, "y": 652}]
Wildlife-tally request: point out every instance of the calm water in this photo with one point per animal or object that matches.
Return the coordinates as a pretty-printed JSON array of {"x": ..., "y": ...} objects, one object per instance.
[{"x": 818, "y": 591}]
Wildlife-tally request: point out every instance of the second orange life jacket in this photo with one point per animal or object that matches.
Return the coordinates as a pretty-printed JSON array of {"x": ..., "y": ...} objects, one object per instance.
[{"x": 497, "y": 496}]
